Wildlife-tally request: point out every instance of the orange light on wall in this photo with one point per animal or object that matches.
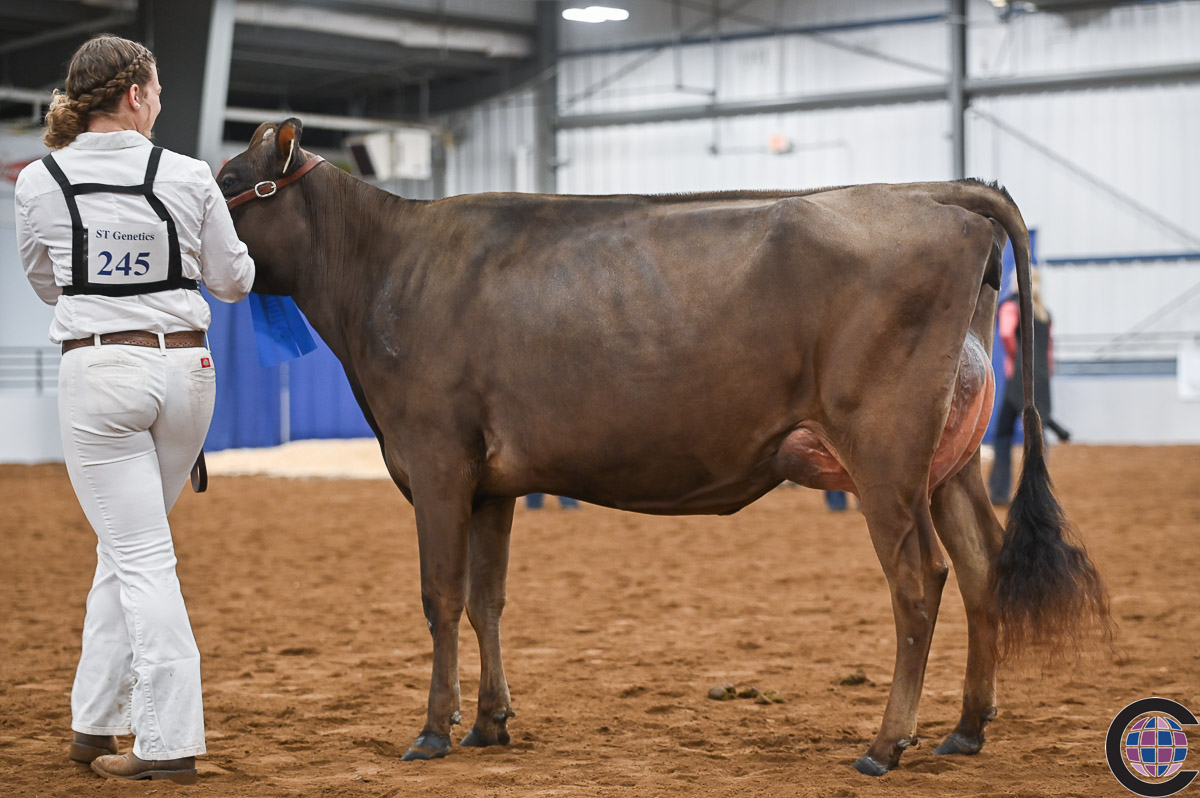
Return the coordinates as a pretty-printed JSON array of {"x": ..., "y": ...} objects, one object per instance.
[{"x": 779, "y": 144}]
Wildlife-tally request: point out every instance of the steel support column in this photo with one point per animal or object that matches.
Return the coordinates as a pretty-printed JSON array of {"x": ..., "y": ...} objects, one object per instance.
[
  {"x": 546, "y": 92},
  {"x": 956, "y": 89},
  {"x": 193, "y": 43}
]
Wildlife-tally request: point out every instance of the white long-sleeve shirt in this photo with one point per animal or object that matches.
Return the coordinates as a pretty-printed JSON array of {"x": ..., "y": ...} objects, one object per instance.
[{"x": 209, "y": 246}]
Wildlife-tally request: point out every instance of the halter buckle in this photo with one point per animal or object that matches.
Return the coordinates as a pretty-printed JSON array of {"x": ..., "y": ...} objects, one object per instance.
[{"x": 261, "y": 194}]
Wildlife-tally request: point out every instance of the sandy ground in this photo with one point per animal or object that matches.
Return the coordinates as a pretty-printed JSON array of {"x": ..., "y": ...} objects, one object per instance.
[
  {"x": 305, "y": 601},
  {"x": 340, "y": 459}
]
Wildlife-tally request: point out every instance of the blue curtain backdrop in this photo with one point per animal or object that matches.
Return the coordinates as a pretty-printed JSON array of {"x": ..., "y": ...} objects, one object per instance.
[
  {"x": 323, "y": 406},
  {"x": 249, "y": 396},
  {"x": 1008, "y": 285}
]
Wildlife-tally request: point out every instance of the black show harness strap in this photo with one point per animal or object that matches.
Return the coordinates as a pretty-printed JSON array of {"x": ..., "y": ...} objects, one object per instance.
[{"x": 79, "y": 234}]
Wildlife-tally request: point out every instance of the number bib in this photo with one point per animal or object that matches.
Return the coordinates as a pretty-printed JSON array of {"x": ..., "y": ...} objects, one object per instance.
[{"x": 127, "y": 253}]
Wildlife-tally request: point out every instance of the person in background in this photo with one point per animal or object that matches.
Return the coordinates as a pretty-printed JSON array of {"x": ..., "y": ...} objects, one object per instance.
[
  {"x": 835, "y": 500},
  {"x": 118, "y": 234},
  {"x": 1000, "y": 483},
  {"x": 534, "y": 501}
]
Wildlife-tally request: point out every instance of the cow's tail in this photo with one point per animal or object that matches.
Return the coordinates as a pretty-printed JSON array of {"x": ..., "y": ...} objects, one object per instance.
[{"x": 1047, "y": 593}]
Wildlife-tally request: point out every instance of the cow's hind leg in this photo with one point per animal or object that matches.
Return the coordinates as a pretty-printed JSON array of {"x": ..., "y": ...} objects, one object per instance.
[
  {"x": 967, "y": 526},
  {"x": 491, "y": 529},
  {"x": 443, "y": 510},
  {"x": 902, "y": 531}
]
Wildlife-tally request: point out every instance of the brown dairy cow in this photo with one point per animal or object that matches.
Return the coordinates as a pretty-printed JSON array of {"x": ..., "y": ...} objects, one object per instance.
[{"x": 680, "y": 355}]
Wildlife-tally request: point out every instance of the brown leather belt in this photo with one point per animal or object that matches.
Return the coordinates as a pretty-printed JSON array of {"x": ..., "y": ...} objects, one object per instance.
[{"x": 175, "y": 340}]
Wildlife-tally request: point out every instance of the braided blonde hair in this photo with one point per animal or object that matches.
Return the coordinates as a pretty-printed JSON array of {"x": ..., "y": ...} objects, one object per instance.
[{"x": 101, "y": 70}]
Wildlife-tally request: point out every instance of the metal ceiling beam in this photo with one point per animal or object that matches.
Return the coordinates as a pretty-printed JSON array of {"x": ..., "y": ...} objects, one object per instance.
[
  {"x": 437, "y": 17},
  {"x": 693, "y": 37},
  {"x": 257, "y": 116},
  {"x": 45, "y": 66},
  {"x": 89, "y": 26},
  {"x": 308, "y": 63},
  {"x": 30, "y": 96},
  {"x": 45, "y": 12},
  {"x": 988, "y": 87},
  {"x": 405, "y": 32},
  {"x": 1076, "y": 81},
  {"x": 250, "y": 39},
  {"x": 455, "y": 94},
  {"x": 812, "y": 102}
]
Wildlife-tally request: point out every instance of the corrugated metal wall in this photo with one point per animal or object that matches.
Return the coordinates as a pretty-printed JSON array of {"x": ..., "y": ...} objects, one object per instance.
[
  {"x": 491, "y": 146},
  {"x": 1107, "y": 168},
  {"x": 892, "y": 143},
  {"x": 1139, "y": 141},
  {"x": 1100, "y": 173}
]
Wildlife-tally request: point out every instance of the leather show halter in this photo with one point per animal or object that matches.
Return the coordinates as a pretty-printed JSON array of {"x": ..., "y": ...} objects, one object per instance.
[{"x": 267, "y": 188}]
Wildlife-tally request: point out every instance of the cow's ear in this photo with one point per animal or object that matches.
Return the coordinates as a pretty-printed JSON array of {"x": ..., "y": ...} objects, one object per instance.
[
  {"x": 263, "y": 133},
  {"x": 287, "y": 141}
]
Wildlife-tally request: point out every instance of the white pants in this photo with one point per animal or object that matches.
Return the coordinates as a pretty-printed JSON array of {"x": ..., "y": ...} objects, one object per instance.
[{"x": 133, "y": 420}]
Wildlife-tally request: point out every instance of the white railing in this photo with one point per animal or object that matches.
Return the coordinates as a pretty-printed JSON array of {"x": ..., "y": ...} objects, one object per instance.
[
  {"x": 1120, "y": 347},
  {"x": 29, "y": 369}
]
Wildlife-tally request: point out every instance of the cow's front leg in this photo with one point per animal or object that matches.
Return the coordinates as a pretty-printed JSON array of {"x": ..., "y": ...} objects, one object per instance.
[
  {"x": 491, "y": 528},
  {"x": 443, "y": 510}
]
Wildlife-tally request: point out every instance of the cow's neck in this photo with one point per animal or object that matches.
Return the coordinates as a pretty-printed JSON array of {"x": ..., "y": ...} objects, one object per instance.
[{"x": 349, "y": 222}]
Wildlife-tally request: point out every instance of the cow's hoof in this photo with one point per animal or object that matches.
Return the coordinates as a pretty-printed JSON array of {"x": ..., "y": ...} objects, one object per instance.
[
  {"x": 427, "y": 746},
  {"x": 956, "y": 743},
  {"x": 479, "y": 738},
  {"x": 869, "y": 767},
  {"x": 493, "y": 731}
]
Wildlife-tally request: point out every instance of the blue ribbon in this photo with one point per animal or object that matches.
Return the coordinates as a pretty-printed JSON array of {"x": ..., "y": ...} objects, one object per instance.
[{"x": 280, "y": 332}]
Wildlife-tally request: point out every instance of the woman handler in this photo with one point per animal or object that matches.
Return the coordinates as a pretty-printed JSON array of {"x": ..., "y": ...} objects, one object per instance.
[{"x": 118, "y": 234}]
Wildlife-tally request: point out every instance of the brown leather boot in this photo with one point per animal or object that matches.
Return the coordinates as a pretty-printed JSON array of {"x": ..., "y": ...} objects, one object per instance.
[
  {"x": 86, "y": 747},
  {"x": 134, "y": 768}
]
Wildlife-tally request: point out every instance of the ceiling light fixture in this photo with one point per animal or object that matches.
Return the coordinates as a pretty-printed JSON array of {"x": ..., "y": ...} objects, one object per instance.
[{"x": 595, "y": 14}]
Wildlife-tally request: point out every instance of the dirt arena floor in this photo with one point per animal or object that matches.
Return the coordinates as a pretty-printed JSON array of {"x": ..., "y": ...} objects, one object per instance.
[{"x": 305, "y": 600}]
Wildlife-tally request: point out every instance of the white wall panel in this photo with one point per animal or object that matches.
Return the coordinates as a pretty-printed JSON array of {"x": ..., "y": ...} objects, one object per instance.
[
  {"x": 1130, "y": 35},
  {"x": 651, "y": 21},
  {"x": 489, "y": 144},
  {"x": 1136, "y": 311},
  {"x": 887, "y": 144},
  {"x": 1109, "y": 151},
  {"x": 752, "y": 69},
  {"x": 29, "y": 428},
  {"x": 24, "y": 318},
  {"x": 1125, "y": 410},
  {"x": 1102, "y": 172}
]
